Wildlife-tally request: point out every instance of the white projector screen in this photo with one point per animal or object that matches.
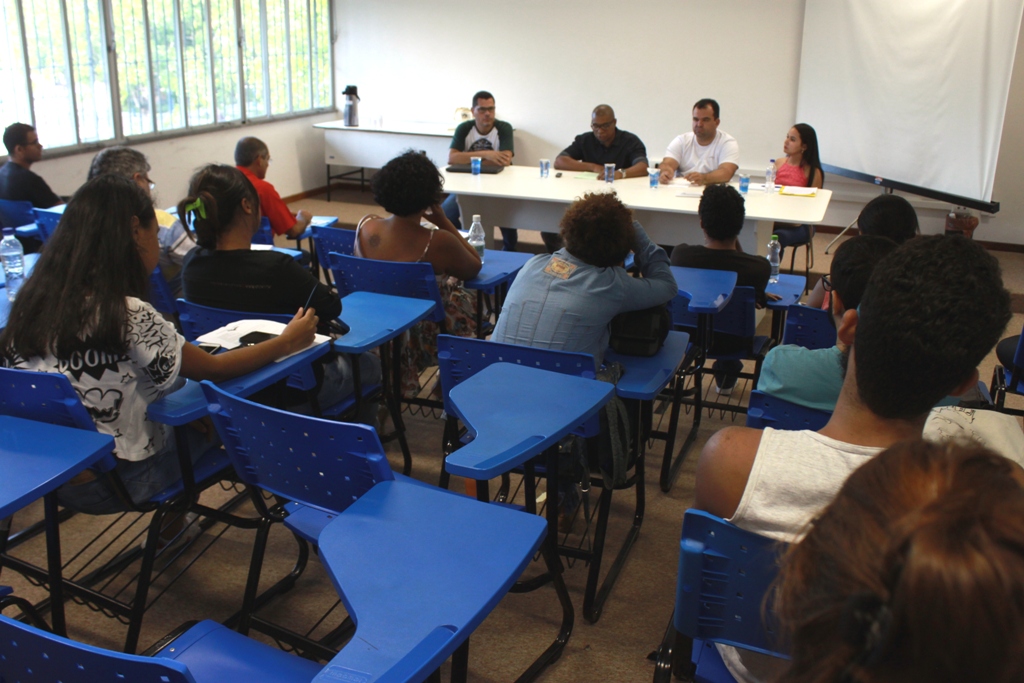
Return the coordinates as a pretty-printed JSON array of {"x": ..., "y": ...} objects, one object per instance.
[{"x": 910, "y": 90}]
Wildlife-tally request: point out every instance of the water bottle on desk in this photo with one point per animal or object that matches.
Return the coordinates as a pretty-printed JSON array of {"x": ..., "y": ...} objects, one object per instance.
[
  {"x": 13, "y": 257},
  {"x": 774, "y": 257},
  {"x": 476, "y": 236},
  {"x": 769, "y": 177}
]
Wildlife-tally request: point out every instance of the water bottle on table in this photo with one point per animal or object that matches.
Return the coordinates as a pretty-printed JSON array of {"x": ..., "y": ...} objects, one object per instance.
[
  {"x": 769, "y": 177},
  {"x": 13, "y": 256},
  {"x": 476, "y": 236},
  {"x": 774, "y": 257}
]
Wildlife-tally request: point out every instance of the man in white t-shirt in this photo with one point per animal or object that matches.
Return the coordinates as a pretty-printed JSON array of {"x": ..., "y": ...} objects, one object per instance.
[
  {"x": 705, "y": 156},
  {"x": 932, "y": 310}
]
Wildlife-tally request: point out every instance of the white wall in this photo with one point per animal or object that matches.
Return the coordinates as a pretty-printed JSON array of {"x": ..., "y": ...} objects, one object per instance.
[
  {"x": 549, "y": 63},
  {"x": 296, "y": 149}
]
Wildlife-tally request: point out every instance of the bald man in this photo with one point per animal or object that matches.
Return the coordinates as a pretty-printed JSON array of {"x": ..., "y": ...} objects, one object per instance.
[{"x": 604, "y": 144}]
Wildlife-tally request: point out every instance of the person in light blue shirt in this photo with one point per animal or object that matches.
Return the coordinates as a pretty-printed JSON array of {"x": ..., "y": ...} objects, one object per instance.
[
  {"x": 814, "y": 377},
  {"x": 567, "y": 299}
]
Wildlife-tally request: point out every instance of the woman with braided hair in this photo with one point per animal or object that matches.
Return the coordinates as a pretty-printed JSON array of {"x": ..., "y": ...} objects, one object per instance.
[{"x": 913, "y": 574}]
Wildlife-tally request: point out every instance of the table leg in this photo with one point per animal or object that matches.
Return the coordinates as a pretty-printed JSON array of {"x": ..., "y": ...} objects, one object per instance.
[
  {"x": 670, "y": 469},
  {"x": 53, "y": 562},
  {"x": 479, "y": 314}
]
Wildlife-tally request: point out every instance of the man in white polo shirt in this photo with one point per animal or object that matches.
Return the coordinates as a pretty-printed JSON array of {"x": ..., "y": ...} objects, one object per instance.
[{"x": 705, "y": 156}]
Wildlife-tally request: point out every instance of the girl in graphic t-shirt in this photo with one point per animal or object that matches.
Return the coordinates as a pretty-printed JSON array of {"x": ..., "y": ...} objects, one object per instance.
[
  {"x": 82, "y": 314},
  {"x": 801, "y": 167}
]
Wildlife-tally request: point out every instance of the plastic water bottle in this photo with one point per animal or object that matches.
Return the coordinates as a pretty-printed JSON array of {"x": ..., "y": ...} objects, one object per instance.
[
  {"x": 774, "y": 257},
  {"x": 476, "y": 236},
  {"x": 13, "y": 257},
  {"x": 769, "y": 177}
]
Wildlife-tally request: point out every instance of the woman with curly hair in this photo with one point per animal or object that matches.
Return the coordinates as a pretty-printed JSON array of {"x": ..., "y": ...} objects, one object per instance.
[
  {"x": 83, "y": 314},
  {"x": 913, "y": 574},
  {"x": 409, "y": 187}
]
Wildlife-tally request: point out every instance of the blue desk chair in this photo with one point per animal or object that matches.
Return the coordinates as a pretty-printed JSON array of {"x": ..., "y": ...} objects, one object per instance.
[
  {"x": 336, "y": 240},
  {"x": 809, "y": 327},
  {"x": 460, "y": 358},
  {"x": 49, "y": 397},
  {"x": 724, "y": 575},
  {"x": 1008, "y": 374},
  {"x": 46, "y": 221},
  {"x": 769, "y": 411},
  {"x": 15, "y": 214},
  {"x": 206, "y": 652},
  {"x": 417, "y": 568},
  {"x": 264, "y": 235},
  {"x": 161, "y": 297}
]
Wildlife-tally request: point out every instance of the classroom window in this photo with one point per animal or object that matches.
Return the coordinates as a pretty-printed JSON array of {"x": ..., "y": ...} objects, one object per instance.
[{"x": 175, "y": 64}]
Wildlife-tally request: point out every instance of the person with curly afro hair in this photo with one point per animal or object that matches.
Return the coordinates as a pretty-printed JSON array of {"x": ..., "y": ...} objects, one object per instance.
[{"x": 409, "y": 187}]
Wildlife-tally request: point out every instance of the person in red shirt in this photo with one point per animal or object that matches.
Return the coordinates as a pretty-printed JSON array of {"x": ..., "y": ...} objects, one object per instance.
[{"x": 253, "y": 159}]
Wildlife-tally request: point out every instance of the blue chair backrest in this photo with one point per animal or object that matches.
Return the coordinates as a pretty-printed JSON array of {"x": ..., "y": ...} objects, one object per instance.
[
  {"x": 769, "y": 411},
  {"x": 338, "y": 240},
  {"x": 321, "y": 463},
  {"x": 14, "y": 214},
  {"x": 809, "y": 327},
  {"x": 1018, "y": 355},
  {"x": 724, "y": 574},
  {"x": 160, "y": 294},
  {"x": 197, "y": 320},
  {"x": 47, "y": 221},
  {"x": 28, "y": 654},
  {"x": 43, "y": 397},
  {"x": 412, "y": 280},
  {"x": 264, "y": 235},
  {"x": 737, "y": 318},
  {"x": 459, "y": 358}
]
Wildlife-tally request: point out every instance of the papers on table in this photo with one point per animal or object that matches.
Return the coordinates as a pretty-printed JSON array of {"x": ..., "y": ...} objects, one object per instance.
[
  {"x": 229, "y": 336},
  {"x": 691, "y": 192},
  {"x": 323, "y": 221},
  {"x": 798, "y": 191},
  {"x": 261, "y": 247},
  {"x": 586, "y": 175}
]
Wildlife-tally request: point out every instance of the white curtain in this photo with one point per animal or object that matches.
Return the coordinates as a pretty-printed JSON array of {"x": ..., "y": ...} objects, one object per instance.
[{"x": 911, "y": 90}]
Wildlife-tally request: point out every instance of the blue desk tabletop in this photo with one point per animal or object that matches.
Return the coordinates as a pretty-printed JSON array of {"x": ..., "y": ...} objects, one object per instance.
[
  {"x": 378, "y": 318},
  {"x": 646, "y": 376},
  {"x": 419, "y": 568},
  {"x": 36, "y": 458},
  {"x": 709, "y": 290},
  {"x": 499, "y": 267},
  {"x": 30, "y": 263},
  {"x": 188, "y": 403},
  {"x": 790, "y": 288},
  {"x": 515, "y": 412}
]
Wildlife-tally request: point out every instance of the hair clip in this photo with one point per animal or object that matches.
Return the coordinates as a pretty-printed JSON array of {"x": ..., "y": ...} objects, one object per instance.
[{"x": 198, "y": 207}]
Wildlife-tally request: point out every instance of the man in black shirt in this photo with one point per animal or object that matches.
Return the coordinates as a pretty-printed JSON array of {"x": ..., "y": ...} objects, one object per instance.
[
  {"x": 17, "y": 182},
  {"x": 605, "y": 144}
]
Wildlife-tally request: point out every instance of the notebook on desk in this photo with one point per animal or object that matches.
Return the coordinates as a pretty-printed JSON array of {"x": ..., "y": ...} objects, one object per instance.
[{"x": 466, "y": 168}]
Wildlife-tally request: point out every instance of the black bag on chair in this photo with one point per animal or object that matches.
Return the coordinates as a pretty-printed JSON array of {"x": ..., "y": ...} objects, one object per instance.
[{"x": 640, "y": 333}]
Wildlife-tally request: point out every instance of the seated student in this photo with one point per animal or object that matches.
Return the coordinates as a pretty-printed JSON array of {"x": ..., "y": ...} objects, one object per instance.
[
  {"x": 927, "y": 589},
  {"x": 801, "y": 167},
  {"x": 17, "y": 182},
  {"x": 721, "y": 213},
  {"x": 917, "y": 336},
  {"x": 82, "y": 314},
  {"x": 175, "y": 242},
  {"x": 222, "y": 209},
  {"x": 409, "y": 187},
  {"x": 887, "y": 215},
  {"x": 252, "y": 157}
]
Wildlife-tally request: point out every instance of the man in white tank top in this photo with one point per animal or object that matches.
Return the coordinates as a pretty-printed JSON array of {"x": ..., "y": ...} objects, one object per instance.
[{"x": 931, "y": 312}]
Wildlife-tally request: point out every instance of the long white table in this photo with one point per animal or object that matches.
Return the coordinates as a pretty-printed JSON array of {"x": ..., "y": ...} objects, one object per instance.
[{"x": 519, "y": 198}]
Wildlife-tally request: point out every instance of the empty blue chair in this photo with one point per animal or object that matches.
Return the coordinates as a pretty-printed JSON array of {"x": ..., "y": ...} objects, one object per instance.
[
  {"x": 337, "y": 240},
  {"x": 809, "y": 327},
  {"x": 264, "y": 235},
  {"x": 768, "y": 411},
  {"x": 414, "y": 280},
  {"x": 15, "y": 214},
  {"x": 204, "y": 653},
  {"x": 724, "y": 575},
  {"x": 47, "y": 221},
  {"x": 417, "y": 568}
]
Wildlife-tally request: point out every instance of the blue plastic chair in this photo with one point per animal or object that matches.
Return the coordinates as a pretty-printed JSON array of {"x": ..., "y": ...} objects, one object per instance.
[
  {"x": 1008, "y": 378},
  {"x": 768, "y": 411},
  {"x": 417, "y": 568},
  {"x": 205, "y": 653},
  {"x": 737, "y": 319},
  {"x": 49, "y": 397},
  {"x": 47, "y": 221},
  {"x": 15, "y": 214},
  {"x": 809, "y": 327},
  {"x": 414, "y": 280},
  {"x": 725, "y": 573},
  {"x": 337, "y": 240},
  {"x": 161, "y": 297},
  {"x": 264, "y": 235}
]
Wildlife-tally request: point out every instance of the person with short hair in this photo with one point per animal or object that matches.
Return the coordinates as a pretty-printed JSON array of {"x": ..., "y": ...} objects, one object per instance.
[
  {"x": 490, "y": 139},
  {"x": 605, "y": 144},
  {"x": 918, "y": 335},
  {"x": 175, "y": 242},
  {"x": 252, "y": 157},
  {"x": 704, "y": 156},
  {"x": 722, "y": 211},
  {"x": 914, "y": 573},
  {"x": 17, "y": 182}
]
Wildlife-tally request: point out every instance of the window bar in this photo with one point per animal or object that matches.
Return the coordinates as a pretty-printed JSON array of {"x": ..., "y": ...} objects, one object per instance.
[
  {"x": 150, "y": 69},
  {"x": 28, "y": 68},
  {"x": 333, "y": 37},
  {"x": 240, "y": 52},
  {"x": 265, "y": 42},
  {"x": 213, "y": 61},
  {"x": 70, "y": 71},
  {"x": 288, "y": 50},
  {"x": 309, "y": 43},
  {"x": 112, "y": 76},
  {"x": 179, "y": 34}
]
